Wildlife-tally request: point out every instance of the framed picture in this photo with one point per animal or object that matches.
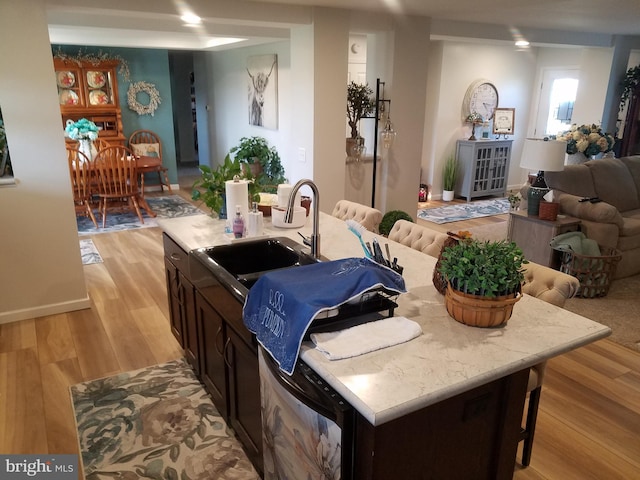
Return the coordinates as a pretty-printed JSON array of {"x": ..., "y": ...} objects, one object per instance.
[
  {"x": 504, "y": 121},
  {"x": 262, "y": 83}
]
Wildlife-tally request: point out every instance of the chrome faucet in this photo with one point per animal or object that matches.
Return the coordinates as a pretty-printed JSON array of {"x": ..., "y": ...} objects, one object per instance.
[{"x": 314, "y": 241}]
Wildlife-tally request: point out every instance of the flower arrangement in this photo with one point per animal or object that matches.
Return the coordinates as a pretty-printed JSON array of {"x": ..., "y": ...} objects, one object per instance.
[
  {"x": 83, "y": 129},
  {"x": 587, "y": 139}
]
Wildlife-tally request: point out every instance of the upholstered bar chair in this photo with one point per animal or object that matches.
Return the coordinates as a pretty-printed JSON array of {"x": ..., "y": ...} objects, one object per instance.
[
  {"x": 541, "y": 282},
  {"x": 147, "y": 147},
  {"x": 368, "y": 217}
]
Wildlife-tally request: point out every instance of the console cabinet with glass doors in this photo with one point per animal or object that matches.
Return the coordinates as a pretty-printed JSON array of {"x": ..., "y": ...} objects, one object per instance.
[
  {"x": 483, "y": 167},
  {"x": 90, "y": 90}
]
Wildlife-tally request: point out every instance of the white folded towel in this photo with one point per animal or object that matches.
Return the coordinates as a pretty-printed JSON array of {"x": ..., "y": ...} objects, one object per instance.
[{"x": 366, "y": 338}]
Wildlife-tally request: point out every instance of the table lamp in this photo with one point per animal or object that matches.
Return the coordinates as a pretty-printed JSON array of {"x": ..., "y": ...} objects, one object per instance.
[{"x": 542, "y": 155}]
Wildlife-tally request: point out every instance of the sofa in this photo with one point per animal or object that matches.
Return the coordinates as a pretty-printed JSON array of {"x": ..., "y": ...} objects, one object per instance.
[{"x": 615, "y": 220}]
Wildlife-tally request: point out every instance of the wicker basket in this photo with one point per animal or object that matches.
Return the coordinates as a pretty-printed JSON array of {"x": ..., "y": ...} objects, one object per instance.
[
  {"x": 548, "y": 211},
  {"x": 594, "y": 272},
  {"x": 479, "y": 311}
]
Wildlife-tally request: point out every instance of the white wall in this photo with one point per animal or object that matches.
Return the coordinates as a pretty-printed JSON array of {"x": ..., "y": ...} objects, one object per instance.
[
  {"x": 595, "y": 68},
  {"x": 228, "y": 100},
  {"x": 511, "y": 71},
  {"x": 40, "y": 265}
]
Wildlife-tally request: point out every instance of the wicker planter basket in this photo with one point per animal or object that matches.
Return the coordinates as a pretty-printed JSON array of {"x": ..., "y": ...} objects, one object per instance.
[
  {"x": 595, "y": 273},
  {"x": 479, "y": 311}
]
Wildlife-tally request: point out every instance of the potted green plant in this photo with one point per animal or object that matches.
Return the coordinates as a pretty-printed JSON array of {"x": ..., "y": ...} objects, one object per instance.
[
  {"x": 210, "y": 187},
  {"x": 359, "y": 104},
  {"x": 262, "y": 161},
  {"x": 483, "y": 280},
  {"x": 390, "y": 218},
  {"x": 449, "y": 178}
]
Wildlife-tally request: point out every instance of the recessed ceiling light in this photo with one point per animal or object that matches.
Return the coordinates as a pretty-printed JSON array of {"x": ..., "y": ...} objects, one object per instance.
[
  {"x": 191, "y": 19},
  {"x": 522, "y": 43}
]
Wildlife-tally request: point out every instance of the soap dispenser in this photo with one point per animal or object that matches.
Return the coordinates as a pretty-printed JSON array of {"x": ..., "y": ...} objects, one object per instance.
[{"x": 238, "y": 223}]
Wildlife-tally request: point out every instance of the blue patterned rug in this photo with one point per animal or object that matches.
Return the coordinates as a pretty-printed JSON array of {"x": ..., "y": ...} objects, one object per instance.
[
  {"x": 170, "y": 206},
  {"x": 464, "y": 211},
  {"x": 155, "y": 423},
  {"x": 89, "y": 252}
]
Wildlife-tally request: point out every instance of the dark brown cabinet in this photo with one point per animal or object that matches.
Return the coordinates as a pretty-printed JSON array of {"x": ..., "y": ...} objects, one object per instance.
[
  {"x": 244, "y": 395},
  {"x": 180, "y": 292},
  {"x": 631, "y": 134},
  {"x": 211, "y": 329},
  {"x": 207, "y": 321}
]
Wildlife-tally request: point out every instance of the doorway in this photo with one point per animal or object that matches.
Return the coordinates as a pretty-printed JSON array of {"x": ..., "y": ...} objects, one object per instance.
[{"x": 557, "y": 97}]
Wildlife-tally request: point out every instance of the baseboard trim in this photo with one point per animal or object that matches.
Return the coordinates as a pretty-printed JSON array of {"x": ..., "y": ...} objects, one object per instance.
[{"x": 44, "y": 310}]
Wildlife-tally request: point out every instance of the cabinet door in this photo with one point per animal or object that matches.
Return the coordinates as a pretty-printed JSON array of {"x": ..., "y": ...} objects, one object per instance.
[
  {"x": 186, "y": 296},
  {"x": 211, "y": 331},
  {"x": 244, "y": 395},
  {"x": 500, "y": 169},
  {"x": 173, "y": 288}
]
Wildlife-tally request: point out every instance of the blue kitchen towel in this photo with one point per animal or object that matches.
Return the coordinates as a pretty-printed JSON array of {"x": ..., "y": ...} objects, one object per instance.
[{"x": 282, "y": 304}]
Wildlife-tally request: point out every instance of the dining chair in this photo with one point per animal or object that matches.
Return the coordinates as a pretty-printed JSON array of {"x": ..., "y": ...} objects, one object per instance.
[
  {"x": 117, "y": 181},
  {"x": 80, "y": 169},
  {"x": 147, "y": 147},
  {"x": 100, "y": 143}
]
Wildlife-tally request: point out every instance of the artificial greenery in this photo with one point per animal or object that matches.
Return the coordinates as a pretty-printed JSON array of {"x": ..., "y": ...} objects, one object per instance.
[
  {"x": 390, "y": 218},
  {"x": 210, "y": 187},
  {"x": 359, "y": 104},
  {"x": 488, "y": 269},
  {"x": 629, "y": 84},
  {"x": 450, "y": 173},
  {"x": 256, "y": 150}
]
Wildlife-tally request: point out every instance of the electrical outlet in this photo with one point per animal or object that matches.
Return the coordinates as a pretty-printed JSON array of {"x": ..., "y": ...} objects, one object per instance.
[{"x": 302, "y": 155}]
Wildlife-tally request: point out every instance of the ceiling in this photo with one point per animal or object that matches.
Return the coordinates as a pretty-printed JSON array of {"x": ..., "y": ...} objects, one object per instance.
[{"x": 157, "y": 24}]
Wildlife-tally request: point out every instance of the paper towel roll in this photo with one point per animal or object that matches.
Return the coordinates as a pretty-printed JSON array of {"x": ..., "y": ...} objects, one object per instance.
[
  {"x": 237, "y": 193},
  {"x": 284, "y": 191}
]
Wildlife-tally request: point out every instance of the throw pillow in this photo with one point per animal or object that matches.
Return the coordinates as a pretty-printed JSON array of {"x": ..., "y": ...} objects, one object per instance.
[{"x": 146, "y": 149}]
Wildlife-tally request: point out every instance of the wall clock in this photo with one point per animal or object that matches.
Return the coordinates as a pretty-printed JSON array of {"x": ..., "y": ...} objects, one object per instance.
[{"x": 481, "y": 97}]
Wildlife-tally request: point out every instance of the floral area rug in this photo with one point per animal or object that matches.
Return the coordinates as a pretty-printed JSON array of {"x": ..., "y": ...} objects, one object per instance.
[
  {"x": 156, "y": 422},
  {"x": 465, "y": 211},
  {"x": 170, "y": 206},
  {"x": 89, "y": 252}
]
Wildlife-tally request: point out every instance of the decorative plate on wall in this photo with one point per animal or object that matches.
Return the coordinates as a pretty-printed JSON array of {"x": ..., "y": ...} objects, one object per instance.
[
  {"x": 68, "y": 97},
  {"x": 98, "y": 97},
  {"x": 66, "y": 79},
  {"x": 96, "y": 79}
]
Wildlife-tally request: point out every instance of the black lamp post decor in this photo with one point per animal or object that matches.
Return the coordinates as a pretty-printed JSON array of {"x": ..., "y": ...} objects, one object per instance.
[{"x": 541, "y": 155}]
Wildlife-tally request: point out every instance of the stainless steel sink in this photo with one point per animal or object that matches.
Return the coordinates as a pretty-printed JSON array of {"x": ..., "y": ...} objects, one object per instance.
[{"x": 246, "y": 261}]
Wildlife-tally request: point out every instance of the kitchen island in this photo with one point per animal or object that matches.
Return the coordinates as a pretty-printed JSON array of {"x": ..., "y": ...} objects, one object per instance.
[{"x": 450, "y": 381}]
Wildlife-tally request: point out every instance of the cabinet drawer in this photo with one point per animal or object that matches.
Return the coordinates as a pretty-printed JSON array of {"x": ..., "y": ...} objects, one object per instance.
[{"x": 175, "y": 253}]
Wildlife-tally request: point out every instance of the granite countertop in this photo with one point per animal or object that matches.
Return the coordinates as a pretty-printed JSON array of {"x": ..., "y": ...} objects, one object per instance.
[{"x": 447, "y": 359}]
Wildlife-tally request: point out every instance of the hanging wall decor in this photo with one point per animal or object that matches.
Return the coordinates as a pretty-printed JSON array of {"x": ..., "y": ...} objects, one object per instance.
[
  {"x": 262, "y": 85},
  {"x": 140, "y": 108}
]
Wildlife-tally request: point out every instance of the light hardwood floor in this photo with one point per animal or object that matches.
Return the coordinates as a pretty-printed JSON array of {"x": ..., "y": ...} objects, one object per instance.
[{"x": 588, "y": 423}]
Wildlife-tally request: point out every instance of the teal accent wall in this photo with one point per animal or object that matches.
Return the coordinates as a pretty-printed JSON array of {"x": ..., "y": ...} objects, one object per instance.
[{"x": 151, "y": 66}]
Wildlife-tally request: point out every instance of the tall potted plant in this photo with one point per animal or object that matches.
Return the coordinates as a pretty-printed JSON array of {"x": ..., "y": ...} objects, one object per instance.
[
  {"x": 359, "y": 104},
  {"x": 449, "y": 178},
  {"x": 260, "y": 162},
  {"x": 483, "y": 280}
]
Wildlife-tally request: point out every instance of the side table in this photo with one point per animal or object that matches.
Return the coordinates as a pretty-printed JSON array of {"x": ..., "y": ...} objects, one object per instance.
[{"x": 533, "y": 235}]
